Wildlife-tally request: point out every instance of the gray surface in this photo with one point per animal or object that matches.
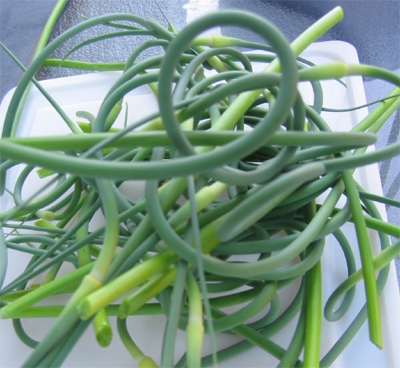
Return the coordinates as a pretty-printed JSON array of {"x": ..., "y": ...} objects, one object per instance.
[
  {"x": 21, "y": 23},
  {"x": 111, "y": 50},
  {"x": 373, "y": 27}
]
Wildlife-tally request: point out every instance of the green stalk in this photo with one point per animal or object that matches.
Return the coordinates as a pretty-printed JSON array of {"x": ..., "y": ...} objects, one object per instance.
[
  {"x": 51, "y": 275},
  {"x": 219, "y": 188},
  {"x": 380, "y": 113},
  {"x": 69, "y": 317},
  {"x": 243, "y": 102},
  {"x": 83, "y": 252},
  {"x": 92, "y": 303},
  {"x": 254, "y": 337},
  {"x": 374, "y": 320},
  {"x": 373, "y": 123},
  {"x": 296, "y": 344},
  {"x": 216, "y": 138},
  {"x": 202, "y": 198},
  {"x": 101, "y": 325},
  {"x": 380, "y": 225},
  {"x": 316, "y": 30},
  {"x": 111, "y": 310},
  {"x": 71, "y": 208},
  {"x": 313, "y": 318},
  {"x": 140, "y": 273},
  {"x": 142, "y": 360},
  {"x": 102, "y": 328},
  {"x": 378, "y": 198},
  {"x": 380, "y": 261},
  {"x": 85, "y": 65},
  {"x": 195, "y": 326},
  {"x": 48, "y": 289},
  {"x": 339, "y": 69},
  {"x": 149, "y": 290},
  {"x": 175, "y": 310},
  {"x": 3, "y": 258},
  {"x": 314, "y": 305},
  {"x": 14, "y": 295},
  {"x": 106, "y": 256}
]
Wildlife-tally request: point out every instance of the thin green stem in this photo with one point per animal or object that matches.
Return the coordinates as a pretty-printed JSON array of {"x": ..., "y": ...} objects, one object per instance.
[{"x": 374, "y": 320}]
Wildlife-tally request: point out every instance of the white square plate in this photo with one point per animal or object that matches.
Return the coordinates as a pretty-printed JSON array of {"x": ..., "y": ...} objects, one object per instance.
[{"x": 86, "y": 93}]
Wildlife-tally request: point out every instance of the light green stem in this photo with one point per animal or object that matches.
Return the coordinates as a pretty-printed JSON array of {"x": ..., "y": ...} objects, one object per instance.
[
  {"x": 102, "y": 328},
  {"x": 195, "y": 326},
  {"x": 142, "y": 360},
  {"x": 149, "y": 290},
  {"x": 243, "y": 102},
  {"x": 122, "y": 284},
  {"x": 374, "y": 321},
  {"x": 314, "y": 304}
]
